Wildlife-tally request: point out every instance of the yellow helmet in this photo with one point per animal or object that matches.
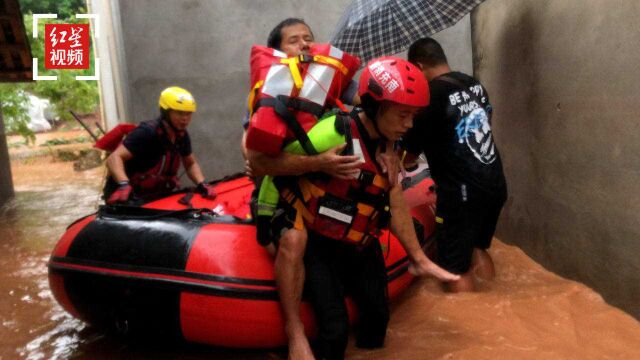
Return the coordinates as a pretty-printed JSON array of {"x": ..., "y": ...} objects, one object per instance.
[{"x": 177, "y": 98}]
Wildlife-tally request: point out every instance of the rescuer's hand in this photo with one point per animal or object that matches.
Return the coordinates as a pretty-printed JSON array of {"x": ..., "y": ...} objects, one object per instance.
[
  {"x": 422, "y": 266},
  {"x": 340, "y": 166},
  {"x": 121, "y": 194},
  {"x": 206, "y": 190},
  {"x": 389, "y": 162}
]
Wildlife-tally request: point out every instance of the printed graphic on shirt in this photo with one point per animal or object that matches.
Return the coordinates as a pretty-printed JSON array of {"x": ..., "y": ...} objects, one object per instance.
[{"x": 474, "y": 128}]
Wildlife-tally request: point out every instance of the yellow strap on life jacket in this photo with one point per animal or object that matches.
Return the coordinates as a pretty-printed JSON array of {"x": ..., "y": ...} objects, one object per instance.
[
  {"x": 322, "y": 59},
  {"x": 381, "y": 181},
  {"x": 332, "y": 62},
  {"x": 355, "y": 236},
  {"x": 309, "y": 190},
  {"x": 365, "y": 210},
  {"x": 295, "y": 72},
  {"x": 252, "y": 96}
]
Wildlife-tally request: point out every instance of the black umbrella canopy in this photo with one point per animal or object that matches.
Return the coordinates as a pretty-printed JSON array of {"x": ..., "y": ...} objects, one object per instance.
[{"x": 372, "y": 28}]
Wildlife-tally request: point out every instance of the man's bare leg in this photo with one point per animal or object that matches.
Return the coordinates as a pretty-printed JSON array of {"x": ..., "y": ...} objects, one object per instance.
[
  {"x": 289, "y": 269},
  {"x": 482, "y": 264},
  {"x": 464, "y": 284}
]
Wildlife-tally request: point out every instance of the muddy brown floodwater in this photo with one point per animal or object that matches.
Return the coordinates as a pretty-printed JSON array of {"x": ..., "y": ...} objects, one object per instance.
[{"x": 526, "y": 313}]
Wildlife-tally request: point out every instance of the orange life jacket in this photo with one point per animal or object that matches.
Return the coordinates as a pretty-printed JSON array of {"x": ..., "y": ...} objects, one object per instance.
[
  {"x": 289, "y": 94},
  {"x": 353, "y": 210}
]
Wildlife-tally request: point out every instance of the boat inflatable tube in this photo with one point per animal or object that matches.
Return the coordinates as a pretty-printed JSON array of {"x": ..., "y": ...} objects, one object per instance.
[{"x": 190, "y": 268}]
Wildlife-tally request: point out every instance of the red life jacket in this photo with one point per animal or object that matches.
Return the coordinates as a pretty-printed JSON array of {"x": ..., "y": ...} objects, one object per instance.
[
  {"x": 162, "y": 177},
  {"x": 289, "y": 94},
  {"x": 352, "y": 210}
]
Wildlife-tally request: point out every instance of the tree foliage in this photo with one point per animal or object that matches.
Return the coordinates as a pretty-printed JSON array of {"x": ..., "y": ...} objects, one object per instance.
[
  {"x": 66, "y": 9},
  {"x": 64, "y": 94},
  {"x": 14, "y": 107}
]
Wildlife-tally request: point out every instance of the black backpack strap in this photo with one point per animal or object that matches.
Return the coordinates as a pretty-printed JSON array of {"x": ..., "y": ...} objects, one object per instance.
[
  {"x": 343, "y": 126},
  {"x": 294, "y": 103},
  {"x": 293, "y": 125}
]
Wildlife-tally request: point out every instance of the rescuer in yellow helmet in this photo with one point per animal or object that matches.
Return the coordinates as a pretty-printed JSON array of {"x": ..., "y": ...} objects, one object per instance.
[{"x": 145, "y": 164}]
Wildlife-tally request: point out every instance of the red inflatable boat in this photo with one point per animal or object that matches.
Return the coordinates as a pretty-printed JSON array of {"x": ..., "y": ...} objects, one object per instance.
[{"x": 190, "y": 268}]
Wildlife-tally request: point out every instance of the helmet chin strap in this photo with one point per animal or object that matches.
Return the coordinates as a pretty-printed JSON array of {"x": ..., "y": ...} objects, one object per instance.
[
  {"x": 371, "y": 108},
  {"x": 165, "y": 117},
  {"x": 375, "y": 126}
]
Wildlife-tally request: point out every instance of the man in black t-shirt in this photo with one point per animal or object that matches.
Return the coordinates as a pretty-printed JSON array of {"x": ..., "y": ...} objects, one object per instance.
[
  {"x": 146, "y": 163},
  {"x": 454, "y": 133}
]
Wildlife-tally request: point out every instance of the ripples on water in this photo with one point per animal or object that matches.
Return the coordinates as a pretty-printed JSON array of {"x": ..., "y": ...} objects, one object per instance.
[
  {"x": 48, "y": 197},
  {"x": 33, "y": 326}
]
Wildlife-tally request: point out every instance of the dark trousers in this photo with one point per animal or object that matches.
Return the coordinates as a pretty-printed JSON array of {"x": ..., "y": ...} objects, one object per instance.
[{"x": 335, "y": 269}]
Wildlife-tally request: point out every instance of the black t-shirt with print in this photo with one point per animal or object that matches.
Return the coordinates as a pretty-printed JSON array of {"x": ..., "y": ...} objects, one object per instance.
[{"x": 454, "y": 132}]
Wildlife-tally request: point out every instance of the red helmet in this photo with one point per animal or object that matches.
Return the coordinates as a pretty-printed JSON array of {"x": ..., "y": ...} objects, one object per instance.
[{"x": 396, "y": 80}]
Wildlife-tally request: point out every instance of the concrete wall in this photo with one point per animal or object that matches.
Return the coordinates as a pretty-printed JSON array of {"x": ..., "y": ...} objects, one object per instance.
[
  {"x": 113, "y": 71},
  {"x": 563, "y": 77},
  {"x": 204, "y": 46},
  {"x": 456, "y": 42},
  {"x": 6, "y": 183}
]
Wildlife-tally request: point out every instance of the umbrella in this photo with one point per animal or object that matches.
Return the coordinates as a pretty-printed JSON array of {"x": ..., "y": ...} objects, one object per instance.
[{"x": 372, "y": 28}]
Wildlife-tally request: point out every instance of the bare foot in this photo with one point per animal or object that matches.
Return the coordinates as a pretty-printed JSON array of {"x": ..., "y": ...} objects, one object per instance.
[
  {"x": 426, "y": 267},
  {"x": 299, "y": 348}
]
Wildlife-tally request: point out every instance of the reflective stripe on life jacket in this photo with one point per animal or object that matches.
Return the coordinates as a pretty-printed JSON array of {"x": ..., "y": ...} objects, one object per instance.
[
  {"x": 349, "y": 210},
  {"x": 304, "y": 85}
]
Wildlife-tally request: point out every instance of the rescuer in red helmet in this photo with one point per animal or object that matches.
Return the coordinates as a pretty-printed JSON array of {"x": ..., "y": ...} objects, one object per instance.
[{"x": 343, "y": 216}]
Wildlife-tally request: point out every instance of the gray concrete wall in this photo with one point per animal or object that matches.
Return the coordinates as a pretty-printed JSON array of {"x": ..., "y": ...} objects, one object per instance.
[
  {"x": 204, "y": 46},
  {"x": 563, "y": 77},
  {"x": 456, "y": 42},
  {"x": 6, "y": 183}
]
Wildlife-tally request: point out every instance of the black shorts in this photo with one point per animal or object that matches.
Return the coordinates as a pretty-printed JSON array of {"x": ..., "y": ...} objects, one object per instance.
[
  {"x": 283, "y": 219},
  {"x": 462, "y": 227}
]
